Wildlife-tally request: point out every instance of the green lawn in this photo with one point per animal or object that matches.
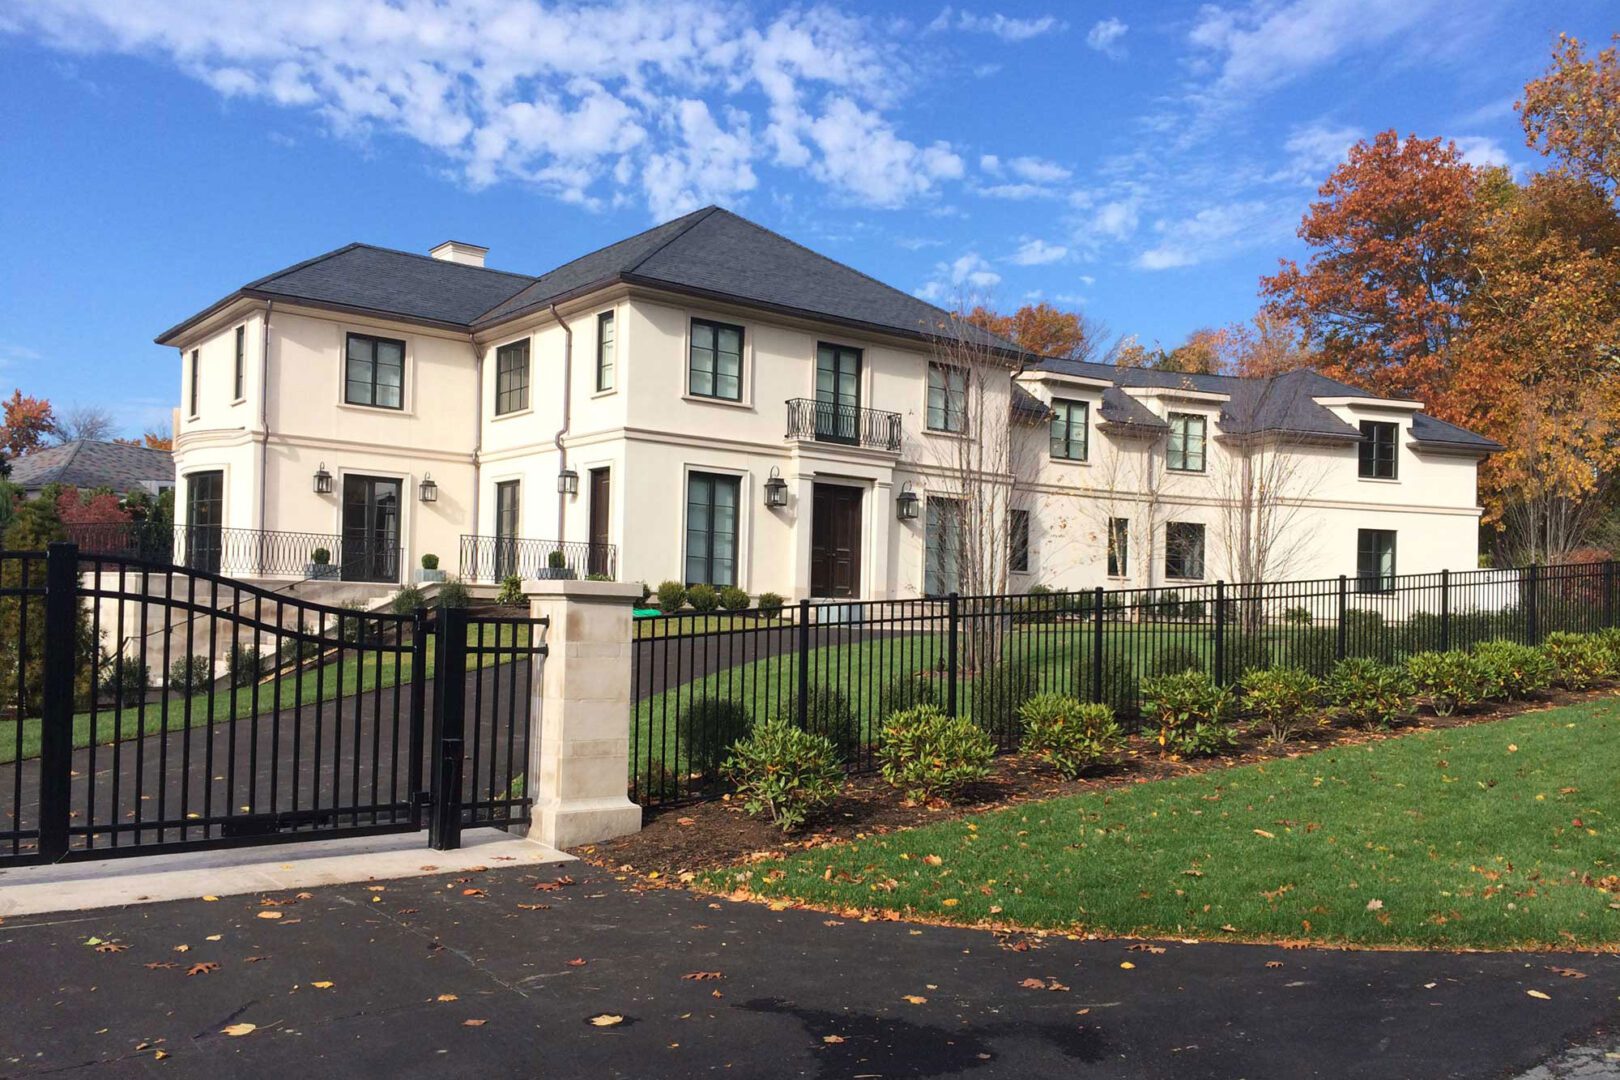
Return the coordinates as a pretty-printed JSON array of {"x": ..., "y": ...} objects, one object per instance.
[
  {"x": 336, "y": 679},
  {"x": 1496, "y": 835}
]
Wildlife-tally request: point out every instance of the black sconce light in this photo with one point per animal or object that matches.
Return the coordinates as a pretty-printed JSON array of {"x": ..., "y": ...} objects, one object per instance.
[
  {"x": 323, "y": 480},
  {"x": 906, "y": 502},
  {"x": 568, "y": 482},
  {"x": 428, "y": 491},
  {"x": 776, "y": 489}
]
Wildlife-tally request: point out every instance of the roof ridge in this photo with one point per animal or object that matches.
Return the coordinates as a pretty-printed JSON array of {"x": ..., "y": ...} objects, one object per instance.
[
  {"x": 698, "y": 217},
  {"x": 442, "y": 262},
  {"x": 300, "y": 265}
]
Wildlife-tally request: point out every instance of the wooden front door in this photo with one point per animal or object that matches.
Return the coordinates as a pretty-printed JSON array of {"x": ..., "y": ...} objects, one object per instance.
[
  {"x": 835, "y": 542},
  {"x": 601, "y": 490}
]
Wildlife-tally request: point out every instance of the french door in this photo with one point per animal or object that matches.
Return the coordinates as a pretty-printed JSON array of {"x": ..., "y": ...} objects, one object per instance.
[
  {"x": 370, "y": 528},
  {"x": 838, "y": 393},
  {"x": 507, "y": 508},
  {"x": 205, "y": 520}
]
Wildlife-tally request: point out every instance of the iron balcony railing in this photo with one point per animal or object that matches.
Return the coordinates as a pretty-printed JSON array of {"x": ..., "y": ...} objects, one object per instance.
[
  {"x": 495, "y": 558},
  {"x": 830, "y": 422},
  {"x": 243, "y": 552}
]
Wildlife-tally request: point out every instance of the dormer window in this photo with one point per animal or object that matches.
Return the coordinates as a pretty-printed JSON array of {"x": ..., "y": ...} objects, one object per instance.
[
  {"x": 1378, "y": 449},
  {"x": 1187, "y": 436}
]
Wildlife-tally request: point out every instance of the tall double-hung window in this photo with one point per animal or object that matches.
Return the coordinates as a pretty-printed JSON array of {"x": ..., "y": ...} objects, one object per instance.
[
  {"x": 714, "y": 368},
  {"x": 1187, "y": 438},
  {"x": 374, "y": 372},
  {"x": 1069, "y": 430}
]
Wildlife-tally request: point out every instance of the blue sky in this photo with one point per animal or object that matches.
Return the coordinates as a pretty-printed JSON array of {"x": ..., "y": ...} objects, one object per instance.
[{"x": 1142, "y": 162}]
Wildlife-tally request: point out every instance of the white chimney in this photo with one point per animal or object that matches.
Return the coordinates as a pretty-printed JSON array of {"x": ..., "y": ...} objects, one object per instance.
[{"x": 457, "y": 252}]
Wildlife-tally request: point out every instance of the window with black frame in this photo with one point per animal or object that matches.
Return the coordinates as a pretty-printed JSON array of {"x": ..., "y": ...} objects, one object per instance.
[
  {"x": 1184, "y": 550},
  {"x": 512, "y": 377},
  {"x": 374, "y": 372},
  {"x": 947, "y": 398},
  {"x": 1185, "y": 451},
  {"x": 712, "y": 502},
  {"x": 715, "y": 366},
  {"x": 239, "y": 385},
  {"x": 1018, "y": 542},
  {"x": 1378, "y": 449},
  {"x": 606, "y": 351},
  {"x": 942, "y": 547},
  {"x": 1119, "y": 544},
  {"x": 1069, "y": 430},
  {"x": 1375, "y": 560}
]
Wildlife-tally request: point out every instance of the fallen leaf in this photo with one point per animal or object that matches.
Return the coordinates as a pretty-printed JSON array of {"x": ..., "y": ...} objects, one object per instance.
[
  {"x": 1375, "y": 905},
  {"x": 1539, "y": 995},
  {"x": 159, "y": 965},
  {"x": 111, "y": 947},
  {"x": 1262, "y": 832},
  {"x": 606, "y": 1020},
  {"x": 933, "y": 860},
  {"x": 1127, "y": 965},
  {"x": 685, "y": 822},
  {"x": 269, "y": 914},
  {"x": 699, "y": 976},
  {"x": 1273, "y": 963},
  {"x": 323, "y": 985},
  {"x": 578, "y": 961},
  {"x": 1568, "y": 973},
  {"x": 534, "y": 907},
  {"x": 446, "y": 997},
  {"x": 1033, "y": 984},
  {"x": 215, "y": 937},
  {"x": 211, "y": 899},
  {"x": 203, "y": 968},
  {"x": 916, "y": 999},
  {"x": 472, "y": 892},
  {"x": 474, "y": 1023},
  {"x": 832, "y": 1040},
  {"x": 1142, "y": 946},
  {"x": 238, "y": 1030}
]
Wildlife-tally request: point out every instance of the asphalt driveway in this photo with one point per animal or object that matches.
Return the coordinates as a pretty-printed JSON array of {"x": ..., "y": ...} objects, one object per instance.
[{"x": 486, "y": 975}]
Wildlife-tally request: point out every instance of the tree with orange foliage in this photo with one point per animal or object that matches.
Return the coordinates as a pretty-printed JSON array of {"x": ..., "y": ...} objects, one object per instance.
[
  {"x": 1382, "y": 295},
  {"x": 28, "y": 423},
  {"x": 1045, "y": 330},
  {"x": 1572, "y": 113}
]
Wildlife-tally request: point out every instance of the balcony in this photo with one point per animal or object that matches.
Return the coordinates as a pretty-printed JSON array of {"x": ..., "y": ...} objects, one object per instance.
[
  {"x": 492, "y": 559},
  {"x": 252, "y": 553},
  {"x": 847, "y": 425}
]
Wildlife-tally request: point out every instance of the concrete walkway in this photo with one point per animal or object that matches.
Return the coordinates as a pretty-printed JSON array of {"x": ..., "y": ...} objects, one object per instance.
[{"x": 513, "y": 973}]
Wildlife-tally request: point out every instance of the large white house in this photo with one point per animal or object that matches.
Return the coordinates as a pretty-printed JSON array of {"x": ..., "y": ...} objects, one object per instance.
[{"x": 711, "y": 402}]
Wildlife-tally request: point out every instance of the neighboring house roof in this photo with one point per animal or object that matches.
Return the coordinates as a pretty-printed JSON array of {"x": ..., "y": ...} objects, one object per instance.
[
  {"x": 1026, "y": 406},
  {"x": 86, "y": 464},
  {"x": 1428, "y": 431}
]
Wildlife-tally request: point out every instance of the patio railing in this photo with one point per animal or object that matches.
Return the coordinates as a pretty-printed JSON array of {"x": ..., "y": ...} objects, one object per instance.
[
  {"x": 492, "y": 559},
  {"x": 241, "y": 552},
  {"x": 827, "y": 421}
]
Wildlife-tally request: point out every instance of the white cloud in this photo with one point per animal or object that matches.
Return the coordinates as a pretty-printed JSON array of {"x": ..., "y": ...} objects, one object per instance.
[
  {"x": 1026, "y": 177},
  {"x": 1216, "y": 231},
  {"x": 1261, "y": 44},
  {"x": 14, "y": 355},
  {"x": 1482, "y": 151},
  {"x": 1315, "y": 149},
  {"x": 681, "y": 103},
  {"x": 1115, "y": 220},
  {"x": 1002, "y": 26},
  {"x": 1107, "y": 37},
  {"x": 1037, "y": 253},
  {"x": 969, "y": 274}
]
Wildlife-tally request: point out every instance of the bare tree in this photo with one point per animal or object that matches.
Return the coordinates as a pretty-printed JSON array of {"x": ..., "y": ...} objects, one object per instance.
[
  {"x": 89, "y": 422},
  {"x": 1262, "y": 485}
]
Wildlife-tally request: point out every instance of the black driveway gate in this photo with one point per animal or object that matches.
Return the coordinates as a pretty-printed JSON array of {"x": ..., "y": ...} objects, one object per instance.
[{"x": 146, "y": 707}]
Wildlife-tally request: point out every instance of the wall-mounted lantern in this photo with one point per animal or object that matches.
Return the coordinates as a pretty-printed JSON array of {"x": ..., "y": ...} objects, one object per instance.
[
  {"x": 323, "y": 480},
  {"x": 776, "y": 489},
  {"x": 568, "y": 482},
  {"x": 428, "y": 490},
  {"x": 906, "y": 502}
]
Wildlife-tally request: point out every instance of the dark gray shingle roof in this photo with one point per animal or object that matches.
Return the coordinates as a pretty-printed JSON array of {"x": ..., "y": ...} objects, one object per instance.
[
  {"x": 1426, "y": 430},
  {"x": 87, "y": 464}
]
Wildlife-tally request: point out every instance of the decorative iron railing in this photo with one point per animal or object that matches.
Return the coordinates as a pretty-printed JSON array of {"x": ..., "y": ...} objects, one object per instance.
[
  {"x": 826, "y": 421},
  {"x": 243, "y": 552},
  {"x": 495, "y": 558}
]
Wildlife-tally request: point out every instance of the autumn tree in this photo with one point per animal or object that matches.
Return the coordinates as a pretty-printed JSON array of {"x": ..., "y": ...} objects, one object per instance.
[
  {"x": 1572, "y": 113},
  {"x": 1045, "y": 331},
  {"x": 26, "y": 424},
  {"x": 1392, "y": 237},
  {"x": 1266, "y": 345}
]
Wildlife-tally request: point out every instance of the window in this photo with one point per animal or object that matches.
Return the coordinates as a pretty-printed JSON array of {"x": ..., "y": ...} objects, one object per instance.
[
  {"x": 947, "y": 398},
  {"x": 374, "y": 372},
  {"x": 711, "y": 529},
  {"x": 1119, "y": 547},
  {"x": 194, "y": 379},
  {"x": 715, "y": 369},
  {"x": 512, "y": 377},
  {"x": 1378, "y": 449},
  {"x": 605, "y": 353},
  {"x": 241, "y": 345},
  {"x": 1375, "y": 560},
  {"x": 1186, "y": 442},
  {"x": 1069, "y": 429},
  {"x": 942, "y": 540},
  {"x": 1018, "y": 542},
  {"x": 1184, "y": 550}
]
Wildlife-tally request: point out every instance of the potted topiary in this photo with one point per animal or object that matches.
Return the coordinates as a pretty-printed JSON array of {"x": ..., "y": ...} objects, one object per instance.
[
  {"x": 556, "y": 568},
  {"x": 320, "y": 564},
  {"x": 430, "y": 570}
]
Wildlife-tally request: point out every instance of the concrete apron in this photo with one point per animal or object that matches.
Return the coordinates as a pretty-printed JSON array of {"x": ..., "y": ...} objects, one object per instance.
[{"x": 81, "y": 886}]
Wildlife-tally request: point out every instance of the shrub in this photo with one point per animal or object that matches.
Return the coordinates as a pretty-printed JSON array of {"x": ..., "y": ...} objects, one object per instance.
[
  {"x": 1313, "y": 648},
  {"x": 453, "y": 593},
  {"x": 191, "y": 673},
  {"x": 1190, "y": 712},
  {"x": 320, "y": 557},
  {"x": 1192, "y": 608},
  {"x": 784, "y": 772},
  {"x": 1297, "y": 616},
  {"x": 1367, "y": 692},
  {"x": 703, "y": 598},
  {"x": 1366, "y": 635},
  {"x": 1174, "y": 658},
  {"x": 1578, "y": 660},
  {"x": 733, "y": 598},
  {"x": 907, "y": 692},
  {"x": 124, "y": 679},
  {"x": 1513, "y": 671},
  {"x": 1118, "y": 679},
  {"x": 511, "y": 593},
  {"x": 430, "y": 562},
  {"x": 707, "y": 727},
  {"x": 556, "y": 560},
  {"x": 1284, "y": 698},
  {"x": 671, "y": 597},
  {"x": 353, "y": 627},
  {"x": 1245, "y": 652},
  {"x": 658, "y": 781},
  {"x": 926, "y": 754},
  {"x": 770, "y": 604},
  {"x": 828, "y": 713},
  {"x": 244, "y": 665},
  {"x": 1166, "y": 605},
  {"x": 998, "y": 692},
  {"x": 1452, "y": 680},
  {"x": 407, "y": 600},
  {"x": 593, "y": 576},
  {"x": 1068, "y": 735}
]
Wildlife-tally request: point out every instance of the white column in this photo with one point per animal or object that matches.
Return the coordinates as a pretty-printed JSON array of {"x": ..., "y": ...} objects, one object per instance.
[{"x": 579, "y": 751}]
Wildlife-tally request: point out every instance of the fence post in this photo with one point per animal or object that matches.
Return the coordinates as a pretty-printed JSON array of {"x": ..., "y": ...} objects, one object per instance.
[
  {"x": 1344, "y": 616},
  {"x": 1445, "y": 610},
  {"x": 950, "y": 655},
  {"x": 1097, "y": 647},
  {"x": 449, "y": 729},
  {"x": 56, "y": 719},
  {"x": 419, "y": 657},
  {"x": 801, "y": 696},
  {"x": 1608, "y": 593},
  {"x": 1220, "y": 633},
  {"x": 1532, "y": 623}
]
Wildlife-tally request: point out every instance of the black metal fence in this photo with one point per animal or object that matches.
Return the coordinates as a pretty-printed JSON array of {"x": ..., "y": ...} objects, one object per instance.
[
  {"x": 495, "y": 558},
  {"x": 841, "y": 668},
  {"x": 243, "y": 552}
]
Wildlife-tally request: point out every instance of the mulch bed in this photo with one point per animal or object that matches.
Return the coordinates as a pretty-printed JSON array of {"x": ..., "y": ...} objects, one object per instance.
[{"x": 679, "y": 841}]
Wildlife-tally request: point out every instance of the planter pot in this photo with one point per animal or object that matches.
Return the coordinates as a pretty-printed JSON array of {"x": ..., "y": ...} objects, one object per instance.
[
  {"x": 320, "y": 571},
  {"x": 554, "y": 573},
  {"x": 427, "y": 577}
]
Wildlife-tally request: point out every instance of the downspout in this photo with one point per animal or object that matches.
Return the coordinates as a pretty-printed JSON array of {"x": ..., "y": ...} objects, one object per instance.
[
  {"x": 478, "y": 440},
  {"x": 567, "y": 415},
  {"x": 264, "y": 428}
]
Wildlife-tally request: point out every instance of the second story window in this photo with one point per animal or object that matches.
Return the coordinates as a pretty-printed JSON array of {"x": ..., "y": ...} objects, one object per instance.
[
  {"x": 1186, "y": 451},
  {"x": 241, "y": 374},
  {"x": 512, "y": 377},
  {"x": 1378, "y": 449},
  {"x": 715, "y": 366},
  {"x": 1069, "y": 430},
  {"x": 947, "y": 398},
  {"x": 194, "y": 381},
  {"x": 606, "y": 351},
  {"x": 374, "y": 372}
]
